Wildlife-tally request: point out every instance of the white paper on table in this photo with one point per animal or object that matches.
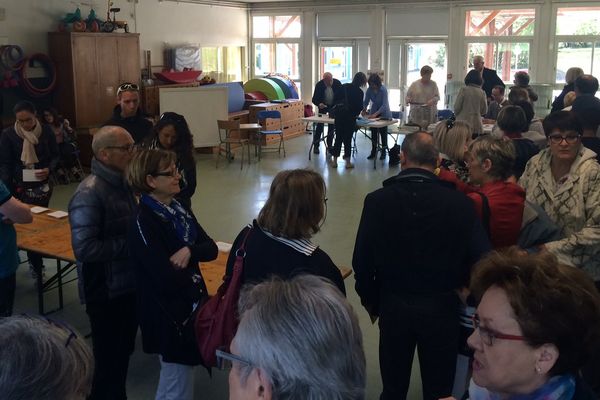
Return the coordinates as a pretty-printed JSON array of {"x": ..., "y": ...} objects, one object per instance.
[
  {"x": 224, "y": 247},
  {"x": 38, "y": 210},
  {"x": 58, "y": 214},
  {"x": 29, "y": 175}
]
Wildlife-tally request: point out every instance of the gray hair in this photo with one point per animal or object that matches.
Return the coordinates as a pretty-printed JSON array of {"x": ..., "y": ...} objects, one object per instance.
[
  {"x": 419, "y": 149},
  {"x": 45, "y": 360},
  {"x": 305, "y": 336},
  {"x": 500, "y": 152},
  {"x": 105, "y": 137},
  {"x": 572, "y": 74}
]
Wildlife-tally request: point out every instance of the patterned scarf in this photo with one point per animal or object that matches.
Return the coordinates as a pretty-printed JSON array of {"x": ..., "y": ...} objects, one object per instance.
[
  {"x": 560, "y": 387},
  {"x": 30, "y": 139},
  {"x": 182, "y": 221}
]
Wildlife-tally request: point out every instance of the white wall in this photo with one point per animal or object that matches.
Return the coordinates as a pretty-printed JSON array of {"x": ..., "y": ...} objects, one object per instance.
[
  {"x": 182, "y": 23},
  {"x": 27, "y": 22}
]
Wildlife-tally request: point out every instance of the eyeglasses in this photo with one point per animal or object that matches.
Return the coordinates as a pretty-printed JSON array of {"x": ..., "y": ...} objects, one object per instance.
[
  {"x": 171, "y": 174},
  {"x": 126, "y": 147},
  {"x": 72, "y": 335},
  {"x": 124, "y": 87},
  {"x": 488, "y": 336},
  {"x": 570, "y": 139},
  {"x": 225, "y": 360}
]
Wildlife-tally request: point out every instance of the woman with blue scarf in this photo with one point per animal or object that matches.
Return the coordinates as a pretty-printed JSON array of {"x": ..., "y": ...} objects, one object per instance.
[
  {"x": 536, "y": 325},
  {"x": 166, "y": 244}
]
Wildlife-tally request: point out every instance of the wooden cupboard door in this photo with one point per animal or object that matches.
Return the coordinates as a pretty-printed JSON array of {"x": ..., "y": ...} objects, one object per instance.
[
  {"x": 85, "y": 71},
  {"x": 108, "y": 72},
  {"x": 129, "y": 59}
]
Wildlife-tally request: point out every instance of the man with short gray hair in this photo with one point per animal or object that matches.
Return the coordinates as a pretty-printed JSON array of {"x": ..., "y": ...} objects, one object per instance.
[
  {"x": 417, "y": 240},
  {"x": 326, "y": 91},
  {"x": 489, "y": 76},
  {"x": 99, "y": 213}
]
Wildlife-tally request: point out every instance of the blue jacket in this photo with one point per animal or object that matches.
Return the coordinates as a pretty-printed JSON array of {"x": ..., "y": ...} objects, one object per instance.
[
  {"x": 379, "y": 102},
  {"x": 99, "y": 213}
]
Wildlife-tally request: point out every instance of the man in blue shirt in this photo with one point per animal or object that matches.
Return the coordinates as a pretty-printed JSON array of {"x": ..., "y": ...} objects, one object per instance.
[
  {"x": 11, "y": 211},
  {"x": 377, "y": 96}
]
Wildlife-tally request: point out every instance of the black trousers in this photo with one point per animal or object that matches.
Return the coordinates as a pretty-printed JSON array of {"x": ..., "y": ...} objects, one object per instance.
[
  {"x": 7, "y": 295},
  {"x": 114, "y": 327},
  {"x": 381, "y": 133},
  {"x": 427, "y": 322},
  {"x": 319, "y": 131},
  {"x": 345, "y": 126},
  {"x": 591, "y": 371}
]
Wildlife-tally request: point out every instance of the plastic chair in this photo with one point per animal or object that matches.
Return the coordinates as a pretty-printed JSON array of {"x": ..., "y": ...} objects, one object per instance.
[
  {"x": 225, "y": 141},
  {"x": 270, "y": 119}
]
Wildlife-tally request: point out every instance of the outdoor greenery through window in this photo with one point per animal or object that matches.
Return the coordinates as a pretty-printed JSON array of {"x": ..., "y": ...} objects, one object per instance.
[
  {"x": 224, "y": 64},
  {"x": 276, "y": 44},
  {"x": 503, "y": 37},
  {"x": 577, "y": 40}
]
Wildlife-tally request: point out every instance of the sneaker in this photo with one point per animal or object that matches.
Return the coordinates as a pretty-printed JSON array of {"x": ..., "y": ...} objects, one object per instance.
[{"x": 316, "y": 150}]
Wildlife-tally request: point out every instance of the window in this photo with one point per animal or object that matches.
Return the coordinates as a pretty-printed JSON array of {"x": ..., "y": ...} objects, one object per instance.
[
  {"x": 519, "y": 22},
  {"x": 503, "y": 37},
  {"x": 276, "y": 43},
  {"x": 577, "y": 40},
  {"x": 224, "y": 64}
]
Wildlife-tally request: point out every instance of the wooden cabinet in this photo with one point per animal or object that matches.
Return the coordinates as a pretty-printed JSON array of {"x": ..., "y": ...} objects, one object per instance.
[
  {"x": 90, "y": 67},
  {"x": 291, "y": 117}
]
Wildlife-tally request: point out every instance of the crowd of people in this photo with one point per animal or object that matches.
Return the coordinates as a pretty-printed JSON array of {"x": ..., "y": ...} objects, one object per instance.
[{"x": 499, "y": 230}]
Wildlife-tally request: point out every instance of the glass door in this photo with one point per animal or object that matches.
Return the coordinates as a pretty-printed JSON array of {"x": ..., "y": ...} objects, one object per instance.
[
  {"x": 339, "y": 58},
  {"x": 406, "y": 57}
]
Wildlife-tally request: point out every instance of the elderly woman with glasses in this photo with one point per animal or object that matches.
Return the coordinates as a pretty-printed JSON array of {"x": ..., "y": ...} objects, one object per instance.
[
  {"x": 43, "y": 359},
  {"x": 537, "y": 322},
  {"x": 297, "y": 339},
  {"x": 279, "y": 243},
  {"x": 166, "y": 243},
  {"x": 564, "y": 179},
  {"x": 173, "y": 133}
]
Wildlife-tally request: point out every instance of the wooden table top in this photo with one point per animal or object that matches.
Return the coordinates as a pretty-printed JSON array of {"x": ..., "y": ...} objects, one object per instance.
[
  {"x": 47, "y": 235},
  {"x": 213, "y": 272},
  {"x": 51, "y": 237}
]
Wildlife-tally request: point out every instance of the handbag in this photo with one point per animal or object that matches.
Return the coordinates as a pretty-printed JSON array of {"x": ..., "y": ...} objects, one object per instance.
[{"x": 217, "y": 320}]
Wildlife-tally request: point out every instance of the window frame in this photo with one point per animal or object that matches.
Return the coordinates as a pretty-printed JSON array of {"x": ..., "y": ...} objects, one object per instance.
[{"x": 275, "y": 41}]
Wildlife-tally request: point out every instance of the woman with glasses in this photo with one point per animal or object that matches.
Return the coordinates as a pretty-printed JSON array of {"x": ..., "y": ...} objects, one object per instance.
[
  {"x": 279, "y": 243},
  {"x": 172, "y": 133},
  {"x": 166, "y": 243},
  {"x": 297, "y": 339},
  {"x": 537, "y": 322},
  {"x": 564, "y": 179}
]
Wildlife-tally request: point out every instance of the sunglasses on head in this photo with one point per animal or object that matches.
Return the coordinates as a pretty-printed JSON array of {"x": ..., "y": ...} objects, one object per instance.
[
  {"x": 125, "y": 87},
  {"x": 450, "y": 122},
  {"x": 172, "y": 117}
]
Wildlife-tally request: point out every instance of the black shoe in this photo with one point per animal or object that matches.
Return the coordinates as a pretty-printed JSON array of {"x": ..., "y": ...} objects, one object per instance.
[
  {"x": 316, "y": 150},
  {"x": 372, "y": 155},
  {"x": 382, "y": 156}
]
